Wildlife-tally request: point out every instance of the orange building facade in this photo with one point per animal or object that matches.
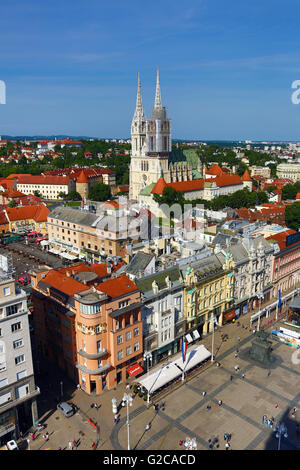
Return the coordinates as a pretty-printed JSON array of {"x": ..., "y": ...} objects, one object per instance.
[{"x": 89, "y": 324}]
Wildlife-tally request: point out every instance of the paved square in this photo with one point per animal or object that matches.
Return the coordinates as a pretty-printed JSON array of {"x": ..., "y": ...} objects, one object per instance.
[{"x": 244, "y": 402}]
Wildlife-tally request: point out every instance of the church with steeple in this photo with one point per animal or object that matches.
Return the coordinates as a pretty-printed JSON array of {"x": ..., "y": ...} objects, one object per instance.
[{"x": 152, "y": 156}]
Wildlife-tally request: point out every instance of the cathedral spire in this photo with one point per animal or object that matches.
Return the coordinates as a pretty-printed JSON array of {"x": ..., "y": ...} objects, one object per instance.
[
  {"x": 139, "y": 111},
  {"x": 157, "y": 103}
]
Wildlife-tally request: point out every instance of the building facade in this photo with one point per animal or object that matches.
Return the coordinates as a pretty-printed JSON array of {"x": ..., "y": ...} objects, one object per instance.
[
  {"x": 18, "y": 392},
  {"x": 162, "y": 312},
  {"x": 88, "y": 324},
  {"x": 88, "y": 235},
  {"x": 208, "y": 292}
]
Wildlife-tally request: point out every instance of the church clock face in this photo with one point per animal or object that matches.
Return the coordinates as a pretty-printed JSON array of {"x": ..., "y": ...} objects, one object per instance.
[{"x": 145, "y": 177}]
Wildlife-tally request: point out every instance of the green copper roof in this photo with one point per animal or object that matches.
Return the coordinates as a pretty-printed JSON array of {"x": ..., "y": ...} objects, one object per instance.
[
  {"x": 178, "y": 156},
  {"x": 147, "y": 190}
]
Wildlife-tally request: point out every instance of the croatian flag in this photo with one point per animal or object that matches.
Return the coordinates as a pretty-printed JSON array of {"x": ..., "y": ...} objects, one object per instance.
[
  {"x": 279, "y": 298},
  {"x": 183, "y": 350}
]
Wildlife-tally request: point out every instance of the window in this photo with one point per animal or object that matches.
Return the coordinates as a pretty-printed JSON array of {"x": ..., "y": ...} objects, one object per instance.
[
  {"x": 2, "y": 366},
  {"x": 128, "y": 351},
  {"x": 11, "y": 309},
  {"x": 120, "y": 339},
  {"x": 136, "y": 331},
  {"x": 123, "y": 303},
  {"x": 16, "y": 326},
  {"x": 120, "y": 354},
  {"x": 98, "y": 346},
  {"x": 136, "y": 347},
  {"x": 18, "y": 343},
  {"x": 99, "y": 363},
  {"x": 6, "y": 291},
  {"x": 3, "y": 382},
  {"x": 128, "y": 335},
  {"x": 19, "y": 359}
]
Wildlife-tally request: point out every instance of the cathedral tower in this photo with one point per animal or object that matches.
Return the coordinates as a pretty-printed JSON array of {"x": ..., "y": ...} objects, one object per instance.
[{"x": 150, "y": 144}]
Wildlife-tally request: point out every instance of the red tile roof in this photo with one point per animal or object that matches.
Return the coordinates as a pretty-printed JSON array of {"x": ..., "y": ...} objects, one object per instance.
[
  {"x": 227, "y": 180},
  {"x": 62, "y": 282},
  {"x": 43, "y": 179},
  {"x": 38, "y": 213},
  {"x": 214, "y": 170},
  {"x": 82, "y": 178},
  {"x": 246, "y": 176},
  {"x": 117, "y": 287},
  {"x": 159, "y": 186},
  {"x": 280, "y": 238}
]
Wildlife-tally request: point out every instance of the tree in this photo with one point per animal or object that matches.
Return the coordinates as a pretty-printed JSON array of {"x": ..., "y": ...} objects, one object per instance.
[
  {"x": 73, "y": 196},
  {"x": 169, "y": 196},
  {"x": 292, "y": 216},
  {"x": 289, "y": 191},
  {"x": 99, "y": 192},
  {"x": 37, "y": 193},
  {"x": 12, "y": 203}
]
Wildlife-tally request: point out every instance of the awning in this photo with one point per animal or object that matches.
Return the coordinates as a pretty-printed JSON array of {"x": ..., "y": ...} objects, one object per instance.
[
  {"x": 164, "y": 375},
  {"x": 229, "y": 315},
  {"x": 54, "y": 251},
  {"x": 44, "y": 242},
  {"x": 189, "y": 338},
  {"x": 135, "y": 370},
  {"x": 196, "y": 334}
]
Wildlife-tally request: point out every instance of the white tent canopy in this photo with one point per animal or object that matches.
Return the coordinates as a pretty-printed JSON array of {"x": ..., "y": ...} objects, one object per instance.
[{"x": 162, "y": 376}]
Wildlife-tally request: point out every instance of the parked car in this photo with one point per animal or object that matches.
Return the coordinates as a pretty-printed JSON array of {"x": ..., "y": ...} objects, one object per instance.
[
  {"x": 12, "y": 445},
  {"x": 67, "y": 409}
]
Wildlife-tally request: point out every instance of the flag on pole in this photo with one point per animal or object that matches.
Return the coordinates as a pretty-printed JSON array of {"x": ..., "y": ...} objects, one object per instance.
[
  {"x": 279, "y": 298},
  {"x": 183, "y": 350}
]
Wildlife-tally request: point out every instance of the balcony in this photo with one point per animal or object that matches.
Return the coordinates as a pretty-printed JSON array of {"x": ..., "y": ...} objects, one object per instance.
[
  {"x": 94, "y": 355},
  {"x": 17, "y": 401}
]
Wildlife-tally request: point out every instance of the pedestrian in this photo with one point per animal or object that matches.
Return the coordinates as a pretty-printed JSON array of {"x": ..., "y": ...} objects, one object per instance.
[
  {"x": 227, "y": 445},
  {"x": 147, "y": 427},
  {"x": 75, "y": 444},
  {"x": 238, "y": 338},
  {"x": 208, "y": 407},
  {"x": 243, "y": 375},
  {"x": 220, "y": 403},
  {"x": 93, "y": 445},
  {"x": 180, "y": 443},
  {"x": 231, "y": 377},
  {"x": 276, "y": 405},
  {"x": 269, "y": 373},
  {"x": 70, "y": 445},
  {"x": 203, "y": 394}
]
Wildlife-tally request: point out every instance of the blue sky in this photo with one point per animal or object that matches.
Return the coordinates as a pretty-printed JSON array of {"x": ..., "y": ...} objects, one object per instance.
[{"x": 226, "y": 66}]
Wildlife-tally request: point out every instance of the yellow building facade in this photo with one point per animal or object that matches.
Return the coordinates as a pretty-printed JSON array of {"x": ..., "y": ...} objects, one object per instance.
[{"x": 208, "y": 292}]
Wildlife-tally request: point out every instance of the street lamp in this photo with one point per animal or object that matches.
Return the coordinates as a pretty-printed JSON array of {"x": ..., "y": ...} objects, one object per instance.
[
  {"x": 281, "y": 430},
  {"x": 127, "y": 399},
  {"x": 213, "y": 320},
  {"x": 61, "y": 389},
  {"x": 260, "y": 297},
  {"x": 148, "y": 357}
]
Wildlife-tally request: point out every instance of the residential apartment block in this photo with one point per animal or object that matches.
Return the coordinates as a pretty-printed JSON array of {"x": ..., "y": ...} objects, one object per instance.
[{"x": 18, "y": 392}]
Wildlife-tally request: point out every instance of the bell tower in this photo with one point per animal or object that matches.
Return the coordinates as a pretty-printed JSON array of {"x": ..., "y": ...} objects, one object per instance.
[{"x": 138, "y": 143}]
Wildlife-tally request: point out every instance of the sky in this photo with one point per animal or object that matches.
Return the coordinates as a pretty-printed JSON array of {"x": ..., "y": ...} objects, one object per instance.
[{"x": 226, "y": 67}]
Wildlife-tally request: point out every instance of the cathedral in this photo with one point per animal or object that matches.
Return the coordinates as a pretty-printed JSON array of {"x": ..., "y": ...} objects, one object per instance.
[{"x": 152, "y": 156}]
